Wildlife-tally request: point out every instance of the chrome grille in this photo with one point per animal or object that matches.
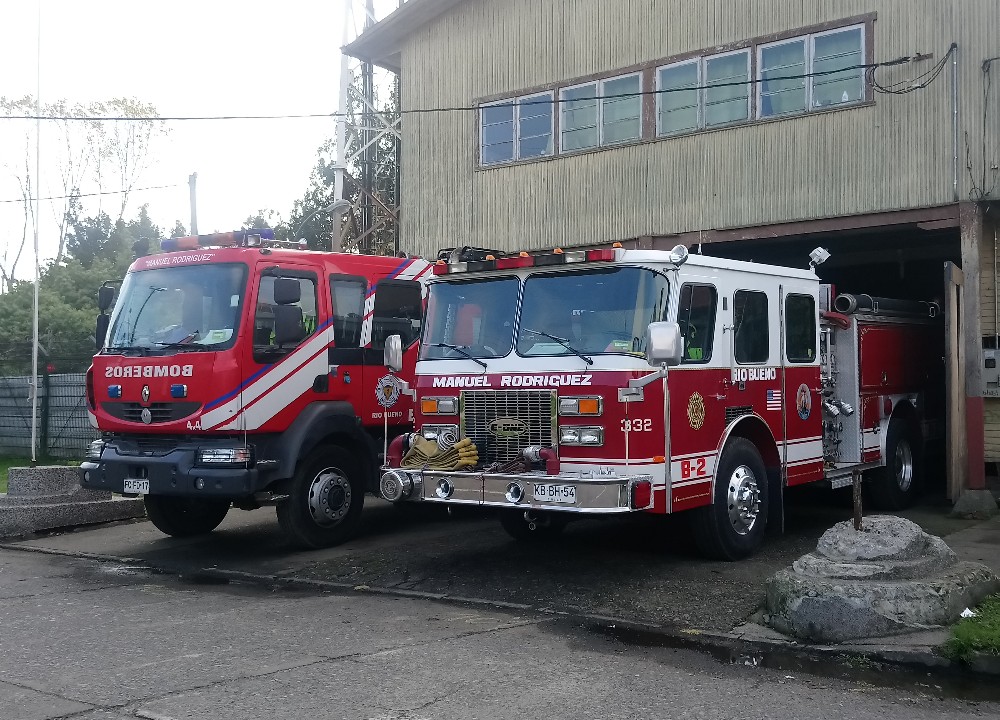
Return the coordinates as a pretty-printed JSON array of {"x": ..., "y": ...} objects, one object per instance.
[{"x": 501, "y": 442}]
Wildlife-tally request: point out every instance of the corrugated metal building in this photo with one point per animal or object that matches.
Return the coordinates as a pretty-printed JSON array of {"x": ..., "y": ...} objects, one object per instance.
[{"x": 747, "y": 128}]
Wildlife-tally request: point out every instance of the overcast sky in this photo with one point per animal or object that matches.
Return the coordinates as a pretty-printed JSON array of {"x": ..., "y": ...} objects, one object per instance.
[{"x": 187, "y": 57}]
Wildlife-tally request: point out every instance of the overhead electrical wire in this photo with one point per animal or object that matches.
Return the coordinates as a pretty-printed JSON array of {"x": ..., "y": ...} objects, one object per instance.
[
  {"x": 904, "y": 87},
  {"x": 93, "y": 194},
  {"x": 869, "y": 68}
]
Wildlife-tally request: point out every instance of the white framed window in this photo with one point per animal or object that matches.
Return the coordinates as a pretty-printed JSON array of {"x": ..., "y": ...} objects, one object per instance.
[
  {"x": 678, "y": 98},
  {"x": 516, "y": 129},
  {"x": 705, "y": 92},
  {"x": 605, "y": 112},
  {"x": 811, "y": 71},
  {"x": 831, "y": 53},
  {"x": 726, "y": 95}
]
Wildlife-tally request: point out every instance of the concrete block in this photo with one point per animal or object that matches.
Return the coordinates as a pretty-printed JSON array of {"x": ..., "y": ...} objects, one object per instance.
[
  {"x": 890, "y": 578},
  {"x": 48, "y": 497},
  {"x": 978, "y": 504}
]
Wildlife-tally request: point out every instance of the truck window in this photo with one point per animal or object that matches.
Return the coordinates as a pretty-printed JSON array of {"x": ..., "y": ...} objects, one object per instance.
[
  {"x": 348, "y": 295},
  {"x": 398, "y": 311},
  {"x": 800, "y": 328},
  {"x": 750, "y": 329},
  {"x": 264, "y": 348},
  {"x": 474, "y": 315},
  {"x": 696, "y": 316}
]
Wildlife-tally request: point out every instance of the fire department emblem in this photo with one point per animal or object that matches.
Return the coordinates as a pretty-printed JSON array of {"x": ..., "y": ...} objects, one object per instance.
[
  {"x": 145, "y": 393},
  {"x": 388, "y": 390},
  {"x": 803, "y": 401},
  {"x": 696, "y": 411}
]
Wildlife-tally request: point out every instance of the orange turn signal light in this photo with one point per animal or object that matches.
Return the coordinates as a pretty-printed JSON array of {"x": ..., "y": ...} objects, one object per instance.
[
  {"x": 428, "y": 407},
  {"x": 589, "y": 406}
]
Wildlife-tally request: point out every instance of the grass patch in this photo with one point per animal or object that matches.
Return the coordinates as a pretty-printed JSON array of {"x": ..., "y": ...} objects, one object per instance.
[
  {"x": 7, "y": 462},
  {"x": 977, "y": 634}
]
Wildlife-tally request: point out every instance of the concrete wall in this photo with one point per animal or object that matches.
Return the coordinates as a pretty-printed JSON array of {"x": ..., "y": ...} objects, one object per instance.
[{"x": 894, "y": 153}]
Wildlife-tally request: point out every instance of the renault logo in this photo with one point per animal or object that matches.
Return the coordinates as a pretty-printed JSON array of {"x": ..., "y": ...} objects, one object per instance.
[
  {"x": 145, "y": 393},
  {"x": 146, "y": 416},
  {"x": 505, "y": 428}
]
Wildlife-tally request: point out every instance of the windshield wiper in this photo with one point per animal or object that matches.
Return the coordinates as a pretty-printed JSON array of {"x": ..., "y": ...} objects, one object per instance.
[
  {"x": 135, "y": 323},
  {"x": 562, "y": 341},
  {"x": 140, "y": 349},
  {"x": 185, "y": 342},
  {"x": 462, "y": 349}
]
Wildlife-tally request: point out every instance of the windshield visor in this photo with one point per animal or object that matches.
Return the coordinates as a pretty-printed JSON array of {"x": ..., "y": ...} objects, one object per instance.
[
  {"x": 191, "y": 306},
  {"x": 590, "y": 312},
  {"x": 475, "y": 316}
]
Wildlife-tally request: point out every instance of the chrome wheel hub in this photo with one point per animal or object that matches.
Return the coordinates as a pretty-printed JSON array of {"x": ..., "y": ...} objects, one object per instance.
[
  {"x": 743, "y": 500},
  {"x": 903, "y": 465},
  {"x": 329, "y": 497}
]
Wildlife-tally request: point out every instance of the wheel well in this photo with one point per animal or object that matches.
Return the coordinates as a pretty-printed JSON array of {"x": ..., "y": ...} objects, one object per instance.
[{"x": 754, "y": 430}]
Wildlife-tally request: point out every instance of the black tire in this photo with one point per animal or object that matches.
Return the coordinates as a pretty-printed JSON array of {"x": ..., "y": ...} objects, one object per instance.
[
  {"x": 543, "y": 527},
  {"x": 325, "y": 500},
  {"x": 183, "y": 516},
  {"x": 733, "y": 526},
  {"x": 896, "y": 485}
]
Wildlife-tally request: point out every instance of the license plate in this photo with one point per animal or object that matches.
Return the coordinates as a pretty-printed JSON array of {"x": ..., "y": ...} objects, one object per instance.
[
  {"x": 136, "y": 487},
  {"x": 546, "y": 492}
]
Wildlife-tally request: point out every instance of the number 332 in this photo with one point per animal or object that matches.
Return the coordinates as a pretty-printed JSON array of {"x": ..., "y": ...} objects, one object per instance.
[{"x": 637, "y": 425}]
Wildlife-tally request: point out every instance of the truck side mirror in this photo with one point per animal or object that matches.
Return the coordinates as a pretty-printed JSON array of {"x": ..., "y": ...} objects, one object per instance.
[
  {"x": 105, "y": 297},
  {"x": 664, "y": 344},
  {"x": 394, "y": 353},
  {"x": 101, "y": 332}
]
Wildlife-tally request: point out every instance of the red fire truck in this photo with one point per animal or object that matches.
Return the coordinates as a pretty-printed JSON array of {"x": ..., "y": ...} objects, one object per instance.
[
  {"x": 235, "y": 371},
  {"x": 609, "y": 381}
]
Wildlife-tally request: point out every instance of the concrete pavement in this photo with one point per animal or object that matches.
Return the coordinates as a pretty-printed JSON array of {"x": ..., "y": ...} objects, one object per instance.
[{"x": 99, "y": 640}]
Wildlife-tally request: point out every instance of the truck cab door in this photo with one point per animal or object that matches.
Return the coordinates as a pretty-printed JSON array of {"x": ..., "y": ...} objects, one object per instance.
[{"x": 363, "y": 317}]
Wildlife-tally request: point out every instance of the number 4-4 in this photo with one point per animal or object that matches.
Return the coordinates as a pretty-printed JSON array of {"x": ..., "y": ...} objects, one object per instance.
[{"x": 637, "y": 425}]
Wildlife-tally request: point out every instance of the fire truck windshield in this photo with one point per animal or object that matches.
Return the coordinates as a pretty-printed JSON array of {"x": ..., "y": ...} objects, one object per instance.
[
  {"x": 474, "y": 316},
  {"x": 581, "y": 312},
  {"x": 176, "y": 309},
  {"x": 590, "y": 312}
]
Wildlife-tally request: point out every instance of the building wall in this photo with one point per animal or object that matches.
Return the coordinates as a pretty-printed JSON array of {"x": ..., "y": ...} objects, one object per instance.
[{"x": 897, "y": 153}]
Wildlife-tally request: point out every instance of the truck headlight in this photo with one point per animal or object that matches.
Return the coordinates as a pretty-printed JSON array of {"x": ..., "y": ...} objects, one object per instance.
[
  {"x": 581, "y": 435},
  {"x": 433, "y": 432},
  {"x": 225, "y": 456},
  {"x": 95, "y": 449}
]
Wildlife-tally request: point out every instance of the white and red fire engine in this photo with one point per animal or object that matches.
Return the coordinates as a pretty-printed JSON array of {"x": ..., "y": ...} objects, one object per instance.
[
  {"x": 235, "y": 371},
  {"x": 607, "y": 381}
]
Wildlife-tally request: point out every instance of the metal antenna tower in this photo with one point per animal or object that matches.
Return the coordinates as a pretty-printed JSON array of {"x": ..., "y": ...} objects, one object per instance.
[{"x": 368, "y": 145}]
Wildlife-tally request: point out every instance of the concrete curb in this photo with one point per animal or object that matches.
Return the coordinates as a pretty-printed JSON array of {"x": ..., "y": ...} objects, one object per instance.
[{"x": 746, "y": 647}]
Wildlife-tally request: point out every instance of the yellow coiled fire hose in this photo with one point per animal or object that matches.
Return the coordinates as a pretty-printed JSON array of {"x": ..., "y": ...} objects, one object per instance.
[{"x": 426, "y": 453}]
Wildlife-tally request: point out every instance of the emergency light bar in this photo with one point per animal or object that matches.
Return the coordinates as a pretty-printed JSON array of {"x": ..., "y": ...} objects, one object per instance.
[
  {"x": 243, "y": 238},
  {"x": 523, "y": 259}
]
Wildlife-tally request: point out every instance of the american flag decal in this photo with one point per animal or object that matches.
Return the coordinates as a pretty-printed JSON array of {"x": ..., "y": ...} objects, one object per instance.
[{"x": 774, "y": 399}]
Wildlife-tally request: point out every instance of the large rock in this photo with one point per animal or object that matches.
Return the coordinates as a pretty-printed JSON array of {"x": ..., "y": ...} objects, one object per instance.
[
  {"x": 47, "y": 497},
  {"x": 887, "y": 579}
]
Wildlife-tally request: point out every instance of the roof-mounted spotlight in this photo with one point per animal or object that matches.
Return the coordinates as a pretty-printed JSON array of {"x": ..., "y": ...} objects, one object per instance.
[
  {"x": 679, "y": 255},
  {"x": 817, "y": 257}
]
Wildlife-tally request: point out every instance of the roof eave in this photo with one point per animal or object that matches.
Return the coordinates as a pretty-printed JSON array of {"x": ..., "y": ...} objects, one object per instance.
[{"x": 382, "y": 43}]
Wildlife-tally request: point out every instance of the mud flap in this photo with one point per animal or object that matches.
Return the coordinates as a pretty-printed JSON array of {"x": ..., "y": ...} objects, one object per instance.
[{"x": 776, "y": 497}]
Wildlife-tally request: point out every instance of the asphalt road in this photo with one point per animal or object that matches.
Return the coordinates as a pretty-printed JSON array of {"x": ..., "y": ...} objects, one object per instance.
[
  {"x": 100, "y": 640},
  {"x": 643, "y": 568}
]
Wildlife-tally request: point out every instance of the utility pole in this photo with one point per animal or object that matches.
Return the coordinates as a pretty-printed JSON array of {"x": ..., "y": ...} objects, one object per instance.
[{"x": 192, "y": 183}]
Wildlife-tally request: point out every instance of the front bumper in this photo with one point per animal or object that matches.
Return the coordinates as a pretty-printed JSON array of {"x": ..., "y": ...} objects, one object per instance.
[
  {"x": 172, "y": 472},
  {"x": 604, "y": 496}
]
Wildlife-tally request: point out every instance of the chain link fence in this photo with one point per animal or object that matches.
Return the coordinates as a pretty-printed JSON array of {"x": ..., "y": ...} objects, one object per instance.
[{"x": 62, "y": 423}]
